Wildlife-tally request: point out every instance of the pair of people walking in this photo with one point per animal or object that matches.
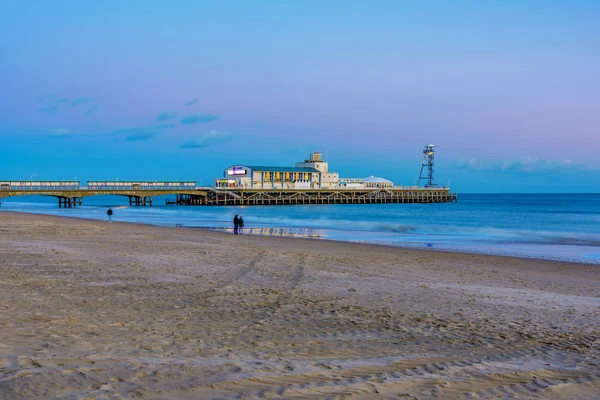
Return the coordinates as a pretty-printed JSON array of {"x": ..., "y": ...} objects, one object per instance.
[{"x": 238, "y": 224}]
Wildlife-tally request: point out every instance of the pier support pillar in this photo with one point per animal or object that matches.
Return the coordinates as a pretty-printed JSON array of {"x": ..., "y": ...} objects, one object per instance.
[{"x": 136, "y": 200}]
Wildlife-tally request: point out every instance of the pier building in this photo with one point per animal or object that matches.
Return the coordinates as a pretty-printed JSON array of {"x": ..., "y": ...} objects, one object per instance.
[
  {"x": 351, "y": 183},
  {"x": 264, "y": 177},
  {"x": 312, "y": 173},
  {"x": 309, "y": 174},
  {"x": 377, "y": 182}
]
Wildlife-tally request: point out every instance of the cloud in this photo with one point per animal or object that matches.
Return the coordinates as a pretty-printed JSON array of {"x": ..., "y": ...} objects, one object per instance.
[
  {"x": 49, "y": 109},
  {"x": 61, "y": 101},
  {"x": 127, "y": 131},
  {"x": 134, "y": 134},
  {"x": 191, "y": 102},
  {"x": 208, "y": 139},
  {"x": 139, "y": 137},
  {"x": 91, "y": 110},
  {"x": 522, "y": 166},
  {"x": 81, "y": 100},
  {"x": 471, "y": 163},
  {"x": 61, "y": 133},
  {"x": 192, "y": 119},
  {"x": 165, "y": 126},
  {"x": 167, "y": 115}
]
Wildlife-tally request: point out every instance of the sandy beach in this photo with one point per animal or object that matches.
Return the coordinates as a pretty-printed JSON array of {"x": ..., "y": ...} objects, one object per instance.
[{"x": 92, "y": 310}]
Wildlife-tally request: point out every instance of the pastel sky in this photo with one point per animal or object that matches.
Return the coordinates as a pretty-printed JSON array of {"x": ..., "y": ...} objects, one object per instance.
[{"x": 508, "y": 90}]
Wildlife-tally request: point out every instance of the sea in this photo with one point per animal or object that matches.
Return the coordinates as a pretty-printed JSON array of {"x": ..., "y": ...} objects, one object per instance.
[{"x": 549, "y": 226}]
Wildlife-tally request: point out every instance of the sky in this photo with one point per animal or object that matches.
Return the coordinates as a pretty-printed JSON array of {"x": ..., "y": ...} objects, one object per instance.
[{"x": 509, "y": 91}]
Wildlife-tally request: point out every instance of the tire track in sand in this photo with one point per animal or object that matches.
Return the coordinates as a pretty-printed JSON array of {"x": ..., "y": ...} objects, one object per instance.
[
  {"x": 295, "y": 277},
  {"x": 235, "y": 276},
  {"x": 517, "y": 374}
]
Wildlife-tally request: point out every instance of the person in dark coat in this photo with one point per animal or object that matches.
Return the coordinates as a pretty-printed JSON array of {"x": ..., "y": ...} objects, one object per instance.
[
  {"x": 236, "y": 224},
  {"x": 241, "y": 225},
  {"x": 109, "y": 213}
]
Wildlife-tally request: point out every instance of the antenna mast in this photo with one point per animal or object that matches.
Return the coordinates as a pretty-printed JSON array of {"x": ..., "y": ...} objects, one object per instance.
[{"x": 428, "y": 155}]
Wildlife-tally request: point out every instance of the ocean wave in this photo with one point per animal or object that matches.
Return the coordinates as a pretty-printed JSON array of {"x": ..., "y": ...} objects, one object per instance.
[{"x": 481, "y": 233}]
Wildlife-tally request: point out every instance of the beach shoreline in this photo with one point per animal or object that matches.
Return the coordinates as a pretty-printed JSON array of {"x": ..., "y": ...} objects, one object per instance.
[{"x": 92, "y": 309}]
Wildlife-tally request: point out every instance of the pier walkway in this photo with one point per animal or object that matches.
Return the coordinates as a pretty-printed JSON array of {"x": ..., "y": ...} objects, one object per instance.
[{"x": 212, "y": 196}]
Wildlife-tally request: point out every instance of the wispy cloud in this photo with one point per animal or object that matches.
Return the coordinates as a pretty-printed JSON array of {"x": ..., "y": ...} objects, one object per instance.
[
  {"x": 167, "y": 115},
  {"x": 192, "y": 119},
  {"x": 140, "y": 137},
  {"x": 126, "y": 131},
  {"x": 521, "y": 166},
  {"x": 49, "y": 109},
  {"x": 468, "y": 163},
  {"x": 61, "y": 101},
  {"x": 208, "y": 139},
  {"x": 61, "y": 133},
  {"x": 165, "y": 126},
  {"x": 134, "y": 134},
  {"x": 191, "y": 102},
  {"x": 81, "y": 100}
]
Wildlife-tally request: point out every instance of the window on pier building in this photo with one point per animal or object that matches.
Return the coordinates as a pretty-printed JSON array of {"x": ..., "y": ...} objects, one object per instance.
[
  {"x": 267, "y": 176},
  {"x": 306, "y": 176},
  {"x": 296, "y": 176},
  {"x": 277, "y": 176},
  {"x": 287, "y": 176}
]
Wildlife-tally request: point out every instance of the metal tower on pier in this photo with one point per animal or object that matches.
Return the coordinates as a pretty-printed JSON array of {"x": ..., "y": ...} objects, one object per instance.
[{"x": 428, "y": 154}]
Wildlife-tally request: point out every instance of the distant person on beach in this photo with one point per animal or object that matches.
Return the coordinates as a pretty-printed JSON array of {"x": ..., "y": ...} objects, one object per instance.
[
  {"x": 109, "y": 213},
  {"x": 236, "y": 224},
  {"x": 241, "y": 225}
]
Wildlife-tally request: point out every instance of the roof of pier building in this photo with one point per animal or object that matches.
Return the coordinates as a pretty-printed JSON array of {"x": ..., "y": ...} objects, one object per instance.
[
  {"x": 376, "y": 179},
  {"x": 279, "y": 169}
]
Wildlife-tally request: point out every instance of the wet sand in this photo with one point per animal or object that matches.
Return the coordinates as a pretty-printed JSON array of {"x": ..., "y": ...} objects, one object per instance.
[{"x": 92, "y": 310}]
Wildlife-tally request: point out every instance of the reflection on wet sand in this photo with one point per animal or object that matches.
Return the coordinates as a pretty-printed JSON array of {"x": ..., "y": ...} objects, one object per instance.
[{"x": 306, "y": 233}]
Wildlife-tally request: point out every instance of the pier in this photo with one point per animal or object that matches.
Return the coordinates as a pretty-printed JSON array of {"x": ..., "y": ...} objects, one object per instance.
[
  {"x": 276, "y": 197},
  {"x": 71, "y": 194},
  {"x": 309, "y": 182}
]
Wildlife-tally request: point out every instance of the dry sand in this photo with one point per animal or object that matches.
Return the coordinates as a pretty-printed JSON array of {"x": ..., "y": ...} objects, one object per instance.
[{"x": 95, "y": 310}]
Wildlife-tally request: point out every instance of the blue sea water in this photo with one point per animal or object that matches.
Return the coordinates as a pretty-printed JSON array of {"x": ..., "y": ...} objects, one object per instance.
[{"x": 551, "y": 226}]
